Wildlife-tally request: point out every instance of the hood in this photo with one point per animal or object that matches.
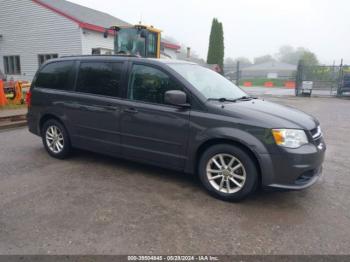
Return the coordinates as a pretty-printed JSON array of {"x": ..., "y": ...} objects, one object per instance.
[{"x": 267, "y": 114}]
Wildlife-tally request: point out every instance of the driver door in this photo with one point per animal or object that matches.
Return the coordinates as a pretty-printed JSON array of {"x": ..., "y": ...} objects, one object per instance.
[{"x": 151, "y": 130}]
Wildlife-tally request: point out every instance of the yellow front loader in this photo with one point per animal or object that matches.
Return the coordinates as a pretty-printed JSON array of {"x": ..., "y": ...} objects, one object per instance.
[{"x": 137, "y": 40}]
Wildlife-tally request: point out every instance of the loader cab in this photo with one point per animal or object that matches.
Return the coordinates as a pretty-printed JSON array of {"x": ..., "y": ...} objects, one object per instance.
[{"x": 138, "y": 40}]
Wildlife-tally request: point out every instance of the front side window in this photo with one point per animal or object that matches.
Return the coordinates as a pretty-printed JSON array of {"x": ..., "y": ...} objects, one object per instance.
[
  {"x": 57, "y": 75},
  {"x": 149, "y": 84},
  {"x": 209, "y": 83},
  {"x": 12, "y": 65},
  {"x": 100, "y": 78}
]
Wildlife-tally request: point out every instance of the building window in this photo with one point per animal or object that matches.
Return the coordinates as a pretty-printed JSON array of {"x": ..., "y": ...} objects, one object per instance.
[
  {"x": 96, "y": 51},
  {"x": 12, "y": 65},
  {"x": 101, "y": 51},
  {"x": 44, "y": 57}
]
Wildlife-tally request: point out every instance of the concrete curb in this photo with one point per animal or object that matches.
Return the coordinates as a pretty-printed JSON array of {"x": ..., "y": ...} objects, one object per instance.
[
  {"x": 8, "y": 122},
  {"x": 13, "y": 125}
]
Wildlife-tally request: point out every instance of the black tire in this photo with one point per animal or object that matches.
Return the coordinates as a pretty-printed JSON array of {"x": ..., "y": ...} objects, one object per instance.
[
  {"x": 63, "y": 152},
  {"x": 251, "y": 173}
]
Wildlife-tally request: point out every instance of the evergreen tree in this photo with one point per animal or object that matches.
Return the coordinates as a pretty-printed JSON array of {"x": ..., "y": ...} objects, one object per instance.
[
  {"x": 216, "y": 44},
  {"x": 221, "y": 51}
]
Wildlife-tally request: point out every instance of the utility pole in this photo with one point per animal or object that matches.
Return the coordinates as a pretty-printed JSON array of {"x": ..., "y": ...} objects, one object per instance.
[{"x": 237, "y": 73}]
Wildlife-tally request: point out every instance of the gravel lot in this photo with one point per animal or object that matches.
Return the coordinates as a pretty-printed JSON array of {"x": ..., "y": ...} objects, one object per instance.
[{"x": 91, "y": 204}]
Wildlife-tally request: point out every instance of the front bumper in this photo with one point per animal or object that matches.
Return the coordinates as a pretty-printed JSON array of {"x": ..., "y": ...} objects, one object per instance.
[
  {"x": 304, "y": 181},
  {"x": 294, "y": 169}
]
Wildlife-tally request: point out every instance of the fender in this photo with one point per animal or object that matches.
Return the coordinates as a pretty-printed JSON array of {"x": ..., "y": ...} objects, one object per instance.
[
  {"x": 52, "y": 112},
  {"x": 225, "y": 133},
  {"x": 234, "y": 134}
]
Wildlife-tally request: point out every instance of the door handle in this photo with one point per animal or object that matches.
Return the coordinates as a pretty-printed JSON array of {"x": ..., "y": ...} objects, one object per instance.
[{"x": 131, "y": 110}]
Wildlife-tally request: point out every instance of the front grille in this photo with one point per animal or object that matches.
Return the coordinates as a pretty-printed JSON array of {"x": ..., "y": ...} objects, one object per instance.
[
  {"x": 318, "y": 141},
  {"x": 316, "y": 133}
]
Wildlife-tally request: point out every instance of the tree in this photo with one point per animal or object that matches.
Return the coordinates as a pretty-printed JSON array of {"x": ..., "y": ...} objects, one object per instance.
[
  {"x": 309, "y": 58},
  {"x": 221, "y": 45},
  {"x": 230, "y": 61},
  {"x": 289, "y": 54},
  {"x": 216, "y": 44},
  {"x": 263, "y": 59}
]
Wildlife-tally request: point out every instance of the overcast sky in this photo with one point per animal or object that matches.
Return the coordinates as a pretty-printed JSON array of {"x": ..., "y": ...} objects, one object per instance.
[{"x": 251, "y": 27}]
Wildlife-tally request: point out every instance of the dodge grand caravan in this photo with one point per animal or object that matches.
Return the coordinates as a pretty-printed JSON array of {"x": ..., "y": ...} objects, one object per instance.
[{"x": 177, "y": 115}]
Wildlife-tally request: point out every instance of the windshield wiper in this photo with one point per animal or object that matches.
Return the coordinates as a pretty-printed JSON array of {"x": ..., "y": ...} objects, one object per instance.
[
  {"x": 224, "y": 99},
  {"x": 247, "y": 98}
]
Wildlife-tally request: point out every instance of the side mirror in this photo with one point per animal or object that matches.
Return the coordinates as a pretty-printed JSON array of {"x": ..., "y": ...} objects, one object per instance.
[{"x": 176, "y": 98}]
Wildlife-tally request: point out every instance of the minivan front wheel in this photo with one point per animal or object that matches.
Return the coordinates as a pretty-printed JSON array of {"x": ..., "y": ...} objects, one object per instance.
[
  {"x": 55, "y": 139},
  {"x": 228, "y": 172}
]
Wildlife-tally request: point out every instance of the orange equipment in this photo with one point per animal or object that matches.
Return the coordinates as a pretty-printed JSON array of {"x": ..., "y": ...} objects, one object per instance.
[
  {"x": 289, "y": 84},
  {"x": 18, "y": 99},
  {"x": 3, "y": 99},
  {"x": 269, "y": 84},
  {"x": 247, "y": 83}
]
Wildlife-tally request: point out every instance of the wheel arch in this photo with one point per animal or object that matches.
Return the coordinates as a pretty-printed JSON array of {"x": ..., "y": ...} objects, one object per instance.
[
  {"x": 65, "y": 149},
  {"x": 44, "y": 118},
  {"x": 216, "y": 141}
]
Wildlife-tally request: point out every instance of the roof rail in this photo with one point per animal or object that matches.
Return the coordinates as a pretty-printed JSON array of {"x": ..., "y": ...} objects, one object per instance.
[{"x": 120, "y": 55}]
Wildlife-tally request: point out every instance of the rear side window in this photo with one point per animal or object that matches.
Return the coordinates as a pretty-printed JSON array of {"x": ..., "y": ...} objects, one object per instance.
[
  {"x": 100, "y": 78},
  {"x": 58, "y": 75}
]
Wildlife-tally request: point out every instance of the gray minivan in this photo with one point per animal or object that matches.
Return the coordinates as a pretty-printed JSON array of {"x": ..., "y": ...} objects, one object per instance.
[{"x": 177, "y": 115}]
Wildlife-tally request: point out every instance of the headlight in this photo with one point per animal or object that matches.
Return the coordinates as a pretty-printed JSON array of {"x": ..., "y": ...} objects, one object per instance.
[{"x": 292, "y": 138}]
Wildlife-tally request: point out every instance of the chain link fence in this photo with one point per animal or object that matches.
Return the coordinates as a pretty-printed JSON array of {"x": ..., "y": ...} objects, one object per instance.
[
  {"x": 323, "y": 80},
  {"x": 271, "y": 74}
]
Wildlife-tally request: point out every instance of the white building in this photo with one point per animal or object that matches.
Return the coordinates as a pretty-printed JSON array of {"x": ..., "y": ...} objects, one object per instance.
[{"x": 33, "y": 31}]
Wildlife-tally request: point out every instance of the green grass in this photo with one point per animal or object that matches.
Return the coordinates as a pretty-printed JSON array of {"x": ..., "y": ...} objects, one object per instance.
[{"x": 12, "y": 106}]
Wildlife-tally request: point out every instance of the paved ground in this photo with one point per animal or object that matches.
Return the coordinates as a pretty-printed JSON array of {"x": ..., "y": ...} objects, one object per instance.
[{"x": 91, "y": 204}]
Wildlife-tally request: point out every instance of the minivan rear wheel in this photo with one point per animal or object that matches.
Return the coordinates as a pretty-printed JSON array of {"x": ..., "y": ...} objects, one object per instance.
[
  {"x": 55, "y": 139},
  {"x": 228, "y": 172}
]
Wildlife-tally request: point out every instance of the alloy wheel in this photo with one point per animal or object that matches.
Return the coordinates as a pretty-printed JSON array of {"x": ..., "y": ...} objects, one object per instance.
[
  {"x": 54, "y": 139},
  {"x": 226, "y": 173}
]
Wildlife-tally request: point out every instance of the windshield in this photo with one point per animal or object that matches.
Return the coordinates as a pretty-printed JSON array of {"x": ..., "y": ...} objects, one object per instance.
[
  {"x": 209, "y": 83},
  {"x": 130, "y": 42}
]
